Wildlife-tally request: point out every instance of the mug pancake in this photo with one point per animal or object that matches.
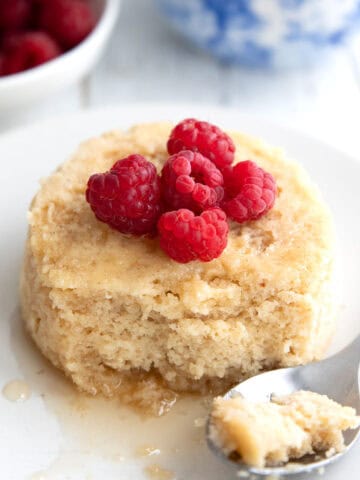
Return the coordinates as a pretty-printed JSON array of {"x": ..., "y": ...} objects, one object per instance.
[{"x": 105, "y": 307}]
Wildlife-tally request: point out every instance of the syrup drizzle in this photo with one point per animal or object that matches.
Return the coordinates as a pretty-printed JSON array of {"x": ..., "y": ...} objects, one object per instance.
[
  {"x": 16, "y": 391},
  {"x": 94, "y": 432}
]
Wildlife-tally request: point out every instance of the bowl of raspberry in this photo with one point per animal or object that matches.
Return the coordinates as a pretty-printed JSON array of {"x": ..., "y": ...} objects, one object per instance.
[{"x": 47, "y": 45}]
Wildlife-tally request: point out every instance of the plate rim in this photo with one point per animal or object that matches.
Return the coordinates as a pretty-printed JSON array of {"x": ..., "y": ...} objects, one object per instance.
[{"x": 207, "y": 108}]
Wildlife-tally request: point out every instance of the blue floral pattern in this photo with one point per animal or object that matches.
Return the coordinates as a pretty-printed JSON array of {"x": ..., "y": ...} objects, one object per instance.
[{"x": 264, "y": 32}]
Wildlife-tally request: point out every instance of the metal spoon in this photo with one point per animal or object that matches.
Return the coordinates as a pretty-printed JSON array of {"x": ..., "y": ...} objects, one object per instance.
[{"x": 337, "y": 377}]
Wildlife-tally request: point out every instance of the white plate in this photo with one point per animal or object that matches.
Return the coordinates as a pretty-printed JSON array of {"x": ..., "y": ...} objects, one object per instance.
[{"x": 63, "y": 435}]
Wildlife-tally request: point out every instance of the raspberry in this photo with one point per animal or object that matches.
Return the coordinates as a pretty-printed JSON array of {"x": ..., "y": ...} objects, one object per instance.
[
  {"x": 27, "y": 50},
  {"x": 14, "y": 14},
  {"x": 68, "y": 21},
  {"x": 250, "y": 191},
  {"x": 203, "y": 137},
  {"x": 128, "y": 196},
  {"x": 10, "y": 40},
  {"x": 189, "y": 180},
  {"x": 186, "y": 237},
  {"x": 2, "y": 66}
]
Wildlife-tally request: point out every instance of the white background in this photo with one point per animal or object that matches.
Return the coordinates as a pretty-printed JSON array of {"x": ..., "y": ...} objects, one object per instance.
[{"x": 147, "y": 61}]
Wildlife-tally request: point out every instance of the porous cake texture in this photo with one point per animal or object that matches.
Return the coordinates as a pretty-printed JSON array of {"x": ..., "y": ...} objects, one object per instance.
[
  {"x": 105, "y": 307},
  {"x": 286, "y": 428}
]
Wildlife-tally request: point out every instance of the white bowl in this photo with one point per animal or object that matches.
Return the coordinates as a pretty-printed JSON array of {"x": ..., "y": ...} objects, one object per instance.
[{"x": 35, "y": 84}]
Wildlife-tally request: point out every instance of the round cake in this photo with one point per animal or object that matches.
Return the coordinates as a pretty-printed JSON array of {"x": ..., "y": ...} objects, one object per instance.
[{"x": 105, "y": 307}]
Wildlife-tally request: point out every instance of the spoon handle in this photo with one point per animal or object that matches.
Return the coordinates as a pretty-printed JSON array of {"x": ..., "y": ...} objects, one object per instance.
[{"x": 352, "y": 351}]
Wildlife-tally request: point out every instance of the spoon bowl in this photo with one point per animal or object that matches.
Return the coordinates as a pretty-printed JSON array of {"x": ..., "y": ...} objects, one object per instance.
[{"x": 337, "y": 377}]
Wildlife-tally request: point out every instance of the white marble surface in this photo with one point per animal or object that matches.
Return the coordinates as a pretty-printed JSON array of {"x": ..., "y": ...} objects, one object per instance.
[{"x": 147, "y": 61}]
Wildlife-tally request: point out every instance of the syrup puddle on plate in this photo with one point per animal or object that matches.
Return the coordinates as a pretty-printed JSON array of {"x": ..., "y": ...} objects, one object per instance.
[
  {"x": 98, "y": 434},
  {"x": 156, "y": 472},
  {"x": 38, "y": 476},
  {"x": 147, "y": 451},
  {"x": 16, "y": 391}
]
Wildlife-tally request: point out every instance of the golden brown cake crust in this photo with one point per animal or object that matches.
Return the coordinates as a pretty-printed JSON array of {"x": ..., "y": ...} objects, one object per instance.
[{"x": 100, "y": 304}]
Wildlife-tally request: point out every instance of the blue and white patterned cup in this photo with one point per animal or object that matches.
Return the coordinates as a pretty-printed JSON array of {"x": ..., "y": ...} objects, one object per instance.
[{"x": 264, "y": 32}]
